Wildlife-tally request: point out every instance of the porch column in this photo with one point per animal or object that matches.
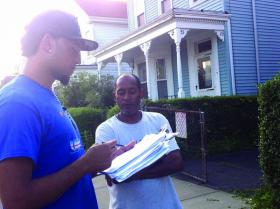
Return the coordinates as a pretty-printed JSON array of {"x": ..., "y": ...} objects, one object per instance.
[
  {"x": 118, "y": 59},
  {"x": 145, "y": 48},
  {"x": 99, "y": 66},
  {"x": 177, "y": 34}
]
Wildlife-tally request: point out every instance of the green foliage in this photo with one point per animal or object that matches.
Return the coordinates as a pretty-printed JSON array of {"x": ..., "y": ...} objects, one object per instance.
[
  {"x": 262, "y": 198},
  {"x": 231, "y": 122},
  {"x": 269, "y": 126},
  {"x": 87, "y": 120},
  {"x": 113, "y": 111},
  {"x": 87, "y": 90},
  {"x": 265, "y": 198}
]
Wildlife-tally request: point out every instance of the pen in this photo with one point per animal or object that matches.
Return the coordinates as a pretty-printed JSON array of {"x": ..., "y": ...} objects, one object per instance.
[{"x": 117, "y": 145}]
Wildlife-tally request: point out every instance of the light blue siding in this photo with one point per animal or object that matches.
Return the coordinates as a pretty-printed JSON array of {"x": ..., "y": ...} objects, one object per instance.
[
  {"x": 180, "y": 4},
  {"x": 243, "y": 44},
  {"x": 151, "y": 10},
  {"x": 215, "y": 5},
  {"x": 105, "y": 33},
  {"x": 268, "y": 22},
  {"x": 185, "y": 70}
]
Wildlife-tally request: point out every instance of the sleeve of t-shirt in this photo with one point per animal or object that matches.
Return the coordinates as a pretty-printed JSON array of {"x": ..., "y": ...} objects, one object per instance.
[
  {"x": 103, "y": 133},
  {"x": 20, "y": 131}
]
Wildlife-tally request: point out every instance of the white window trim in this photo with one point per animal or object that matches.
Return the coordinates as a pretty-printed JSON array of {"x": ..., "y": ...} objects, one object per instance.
[
  {"x": 138, "y": 12},
  {"x": 136, "y": 19},
  {"x": 168, "y": 66},
  {"x": 193, "y": 4},
  {"x": 159, "y": 6}
]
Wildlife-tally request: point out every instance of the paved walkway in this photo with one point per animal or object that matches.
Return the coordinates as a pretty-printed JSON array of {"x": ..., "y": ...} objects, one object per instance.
[
  {"x": 192, "y": 196},
  {"x": 226, "y": 173}
]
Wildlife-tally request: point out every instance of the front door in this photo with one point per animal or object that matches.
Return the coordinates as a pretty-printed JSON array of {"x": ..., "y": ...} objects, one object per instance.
[{"x": 203, "y": 65}]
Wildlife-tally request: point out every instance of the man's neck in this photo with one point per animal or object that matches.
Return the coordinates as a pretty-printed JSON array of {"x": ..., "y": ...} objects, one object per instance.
[
  {"x": 37, "y": 73},
  {"x": 131, "y": 119}
]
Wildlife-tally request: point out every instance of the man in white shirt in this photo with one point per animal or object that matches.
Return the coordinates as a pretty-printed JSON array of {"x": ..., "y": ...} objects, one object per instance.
[{"x": 150, "y": 188}]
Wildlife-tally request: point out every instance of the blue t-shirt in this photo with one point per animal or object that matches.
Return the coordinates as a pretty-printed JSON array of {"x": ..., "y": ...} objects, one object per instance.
[{"x": 34, "y": 124}]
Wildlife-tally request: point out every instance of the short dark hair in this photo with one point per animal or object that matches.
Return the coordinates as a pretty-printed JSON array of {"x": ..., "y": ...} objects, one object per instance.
[
  {"x": 57, "y": 24},
  {"x": 137, "y": 80}
]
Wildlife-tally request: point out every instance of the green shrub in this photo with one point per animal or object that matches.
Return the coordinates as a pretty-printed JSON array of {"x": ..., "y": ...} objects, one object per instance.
[
  {"x": 113, "y": 111},
  {"x": 269, "y": 127},
  {"x": 261, "y": 198},
  {"x": 231, "y": 122},
  {"x": 265, "y": 198},
  {"x": 87, "y": 120},
  {"x": 86, "y": 90}
]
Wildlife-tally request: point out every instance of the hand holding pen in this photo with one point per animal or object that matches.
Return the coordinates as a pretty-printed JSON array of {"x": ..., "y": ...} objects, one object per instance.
[{"x": 120, "y": 149}]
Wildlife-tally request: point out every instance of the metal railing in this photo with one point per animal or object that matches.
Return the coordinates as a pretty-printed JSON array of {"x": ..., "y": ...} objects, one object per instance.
[{"x": 193, "y": 142}]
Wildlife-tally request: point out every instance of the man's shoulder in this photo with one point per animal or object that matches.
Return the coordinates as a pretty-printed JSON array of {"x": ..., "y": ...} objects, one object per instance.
[
  {"x": 13, "y": 94},
  {"x": 107, "y": 123},
  {"x": 153, "y": 114}
]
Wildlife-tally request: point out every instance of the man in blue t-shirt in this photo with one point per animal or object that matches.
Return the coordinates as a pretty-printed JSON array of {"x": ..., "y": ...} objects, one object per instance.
[{"x": 42, "y": 160}]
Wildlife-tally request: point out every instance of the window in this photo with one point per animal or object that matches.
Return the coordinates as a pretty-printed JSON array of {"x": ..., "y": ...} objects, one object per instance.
[
  {"x": 203, "y": 51},
  {"x": 204, "y": 73},
  {"x": 139, "y": 12},
  {"x": 165, "y": 5},
  {"x": 161, "y": 79},
  {"x": 203, "y": 46},
  {"x": 142, "y": 74},
  {"x": 140, "y": 20}
]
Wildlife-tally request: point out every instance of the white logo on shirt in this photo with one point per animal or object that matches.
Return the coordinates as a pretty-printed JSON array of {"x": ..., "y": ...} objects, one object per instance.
[{"x": 75, "y": 144}]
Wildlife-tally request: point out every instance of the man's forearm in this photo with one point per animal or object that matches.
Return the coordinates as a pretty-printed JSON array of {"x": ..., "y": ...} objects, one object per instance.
[
  {"x": 47, "y": 189},
  {"x": 20, "y": 191},
  {"x": 167, "y": 165}
]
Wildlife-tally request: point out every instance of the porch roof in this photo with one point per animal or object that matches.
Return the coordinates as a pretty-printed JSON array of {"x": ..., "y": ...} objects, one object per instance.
[{"x": 175, "y": 18}]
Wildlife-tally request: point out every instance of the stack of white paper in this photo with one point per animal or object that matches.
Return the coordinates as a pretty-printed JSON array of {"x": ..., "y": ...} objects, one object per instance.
[{"x": 150, "y": 149}]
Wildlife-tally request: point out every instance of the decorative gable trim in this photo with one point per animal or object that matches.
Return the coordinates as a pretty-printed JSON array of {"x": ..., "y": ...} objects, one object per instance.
[{"x": 176, "y": 18}]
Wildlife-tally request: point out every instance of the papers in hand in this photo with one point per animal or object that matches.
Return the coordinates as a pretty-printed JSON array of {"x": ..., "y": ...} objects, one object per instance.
[{"x": 150, "y": 149}]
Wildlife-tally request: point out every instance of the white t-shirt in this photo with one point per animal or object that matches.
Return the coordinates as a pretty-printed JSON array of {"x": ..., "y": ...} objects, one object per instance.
[{"x": 158, "y": 193}]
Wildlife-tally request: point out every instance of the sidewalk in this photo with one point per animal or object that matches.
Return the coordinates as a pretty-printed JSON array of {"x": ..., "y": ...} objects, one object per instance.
[
  {"x": 192, "y": 196},
  {"x": 227, "y": 173}
]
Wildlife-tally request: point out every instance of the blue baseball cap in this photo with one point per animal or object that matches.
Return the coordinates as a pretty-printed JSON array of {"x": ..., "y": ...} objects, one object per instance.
[{"x": 58, "y": 24}]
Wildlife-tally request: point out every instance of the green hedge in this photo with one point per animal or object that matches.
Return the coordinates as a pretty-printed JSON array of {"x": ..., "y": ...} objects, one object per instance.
[
  {"x": 112, "y": 111},
  {"x": 231, "y": 122},
  {"x": 269, "y": 126},
  {"x": 87, "y": 120}
]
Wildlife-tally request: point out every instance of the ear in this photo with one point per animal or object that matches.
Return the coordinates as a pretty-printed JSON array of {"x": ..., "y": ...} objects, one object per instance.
[{"x": 47, "y": 44}]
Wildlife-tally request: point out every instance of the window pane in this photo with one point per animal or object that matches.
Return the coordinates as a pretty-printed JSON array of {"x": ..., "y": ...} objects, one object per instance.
[
  {"x": 160, "y": 66},
  {"x": 204, "y": 73},
  {"x": 145, "y": 90},
  {"x": 204, "y": 46},
  {"x": 140, "y": 20},
  {"x": 142, "y": 72},
  {"x": 162, "y": 89}
]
